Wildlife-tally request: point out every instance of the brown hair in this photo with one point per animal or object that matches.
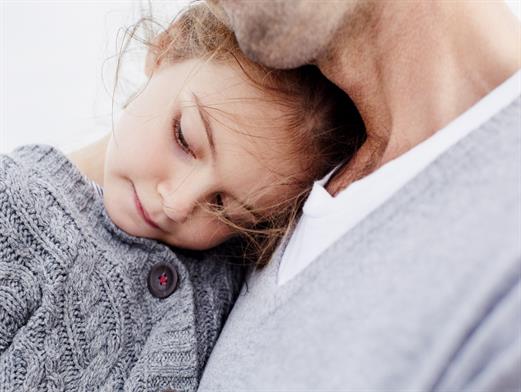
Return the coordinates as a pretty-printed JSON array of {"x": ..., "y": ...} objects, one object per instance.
[{"x": 323, "y": 126}]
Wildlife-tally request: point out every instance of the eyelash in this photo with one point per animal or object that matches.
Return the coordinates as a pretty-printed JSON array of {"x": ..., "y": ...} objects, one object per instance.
[
  {"x": 219, "y": 201},
  {"x": 219, "y": 205},
  {"x": 180, "y": 139}
]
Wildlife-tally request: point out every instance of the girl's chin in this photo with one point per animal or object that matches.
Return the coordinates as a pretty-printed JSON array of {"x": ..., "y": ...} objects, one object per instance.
[
  {"x": 124, "y": 223},
  {"x": 195, "y": 246}
]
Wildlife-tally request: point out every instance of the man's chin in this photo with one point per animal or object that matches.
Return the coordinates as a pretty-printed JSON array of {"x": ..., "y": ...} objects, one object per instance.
[
  {"x": 219, "y": 12},
  {"x": 277, "y": 59}
]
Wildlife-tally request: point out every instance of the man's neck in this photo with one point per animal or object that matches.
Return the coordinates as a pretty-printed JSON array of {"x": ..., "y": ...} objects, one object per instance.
[{"x": 420, "y": 66}]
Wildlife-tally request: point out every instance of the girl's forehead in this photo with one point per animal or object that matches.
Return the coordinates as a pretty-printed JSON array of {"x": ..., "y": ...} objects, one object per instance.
[
  {"x": 239, "y": 112},
  {"x": 255, "y": 165},
  {"x": 248, "y": 126},
  {"x": 225, "y": 87}
]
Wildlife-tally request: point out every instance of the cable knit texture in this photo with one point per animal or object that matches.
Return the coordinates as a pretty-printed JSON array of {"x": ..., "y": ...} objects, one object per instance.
[{"x": 75, "y": 310}]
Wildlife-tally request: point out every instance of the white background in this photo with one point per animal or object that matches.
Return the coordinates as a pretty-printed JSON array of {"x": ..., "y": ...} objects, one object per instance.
[
  {"x": 52, "y": 58},
  {"x": 57, "y": 67}
]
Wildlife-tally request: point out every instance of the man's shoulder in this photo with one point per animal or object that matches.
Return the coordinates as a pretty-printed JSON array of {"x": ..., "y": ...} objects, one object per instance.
[
  {"x": 508, "y": 118},
  {"x": 415, "y": 292}
]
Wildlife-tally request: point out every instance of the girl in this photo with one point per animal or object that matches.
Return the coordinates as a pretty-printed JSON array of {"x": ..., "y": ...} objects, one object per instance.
[{"x": 95, "y": 291}]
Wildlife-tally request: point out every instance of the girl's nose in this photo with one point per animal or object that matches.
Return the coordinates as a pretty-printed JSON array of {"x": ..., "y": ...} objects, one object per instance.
[{"x": 178, "y": 204}]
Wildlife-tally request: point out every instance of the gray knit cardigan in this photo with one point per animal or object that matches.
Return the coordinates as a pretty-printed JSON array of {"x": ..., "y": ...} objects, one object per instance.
[{"x": 75, "y": 310}]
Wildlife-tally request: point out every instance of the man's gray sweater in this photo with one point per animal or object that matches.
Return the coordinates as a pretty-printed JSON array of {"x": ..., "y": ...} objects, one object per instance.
[
  {"x": 422, "y": 295},
  {"x": 76, "y": 308}
]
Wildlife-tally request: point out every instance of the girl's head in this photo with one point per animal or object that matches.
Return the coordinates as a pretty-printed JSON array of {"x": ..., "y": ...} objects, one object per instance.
[{"x": 216, "y": 146}]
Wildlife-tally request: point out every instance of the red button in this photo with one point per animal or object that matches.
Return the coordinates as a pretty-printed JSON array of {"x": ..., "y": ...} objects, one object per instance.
[{"x": 162, "y": 280}]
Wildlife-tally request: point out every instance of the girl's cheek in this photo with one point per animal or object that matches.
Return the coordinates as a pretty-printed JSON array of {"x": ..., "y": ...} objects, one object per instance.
[
  {"x": 215, "y": 234},
  {"x": 226, "y": 232}
]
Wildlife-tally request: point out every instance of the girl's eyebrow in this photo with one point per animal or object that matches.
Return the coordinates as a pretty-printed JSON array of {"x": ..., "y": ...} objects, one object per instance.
[{"x": 207, "y": 127}]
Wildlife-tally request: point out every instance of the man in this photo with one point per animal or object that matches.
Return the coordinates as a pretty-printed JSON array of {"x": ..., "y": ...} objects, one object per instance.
[{"x": 404, "y": 270}]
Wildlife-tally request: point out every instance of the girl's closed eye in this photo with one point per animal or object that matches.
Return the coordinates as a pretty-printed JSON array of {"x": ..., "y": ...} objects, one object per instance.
[{"x": 180, "y": 139}]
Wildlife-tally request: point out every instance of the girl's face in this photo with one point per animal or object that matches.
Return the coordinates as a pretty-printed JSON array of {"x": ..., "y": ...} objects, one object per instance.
[{"x": 199, "y": 132}]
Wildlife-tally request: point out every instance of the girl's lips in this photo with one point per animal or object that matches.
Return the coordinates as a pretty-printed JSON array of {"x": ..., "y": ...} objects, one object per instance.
[{"x": 142, "y": 211}]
